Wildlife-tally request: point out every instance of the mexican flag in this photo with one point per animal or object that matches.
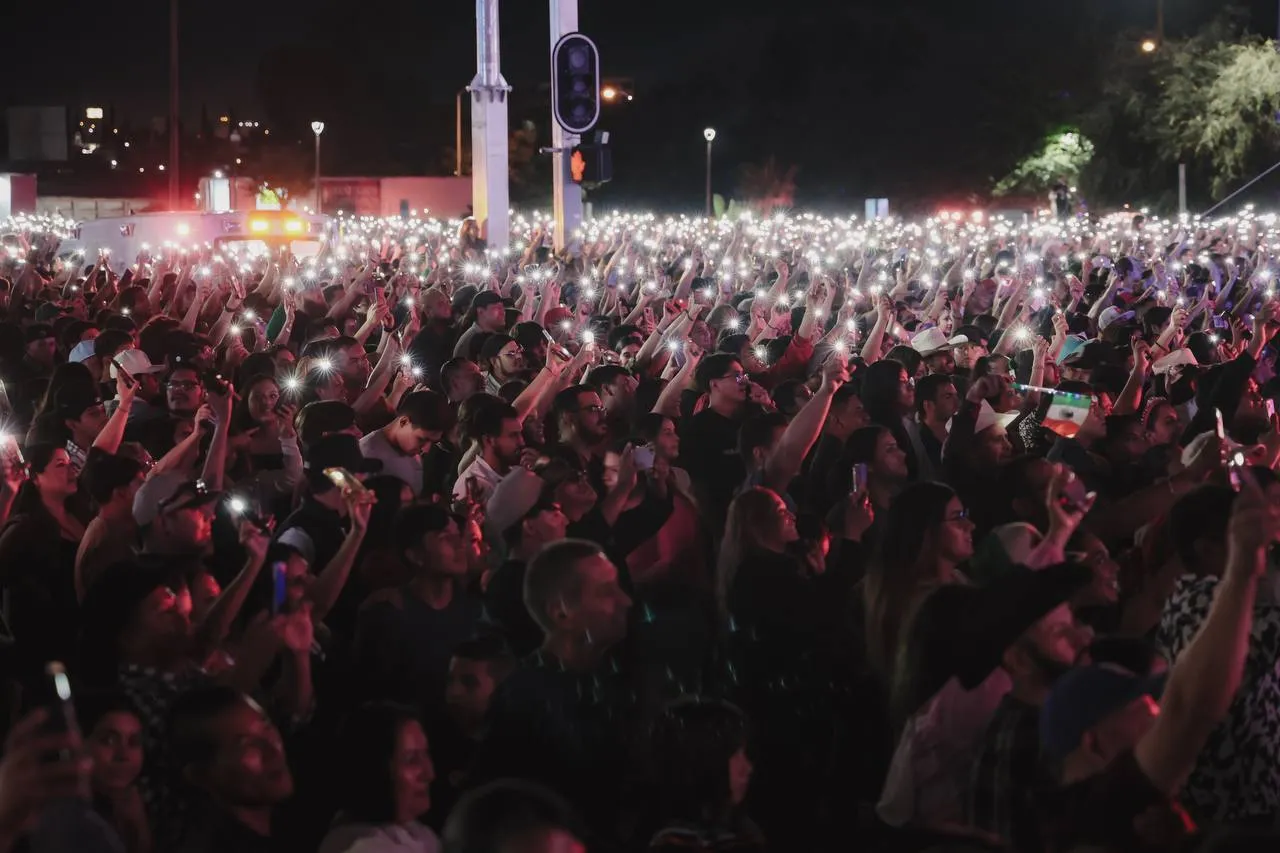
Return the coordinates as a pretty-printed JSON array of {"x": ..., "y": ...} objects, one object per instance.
[{"x": 1067, "y": 413}]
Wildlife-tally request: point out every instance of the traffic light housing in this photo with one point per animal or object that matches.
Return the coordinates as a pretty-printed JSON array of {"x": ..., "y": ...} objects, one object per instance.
[
  {"x": 591, "y": 164},
  {"x": 575, "y": 83}
]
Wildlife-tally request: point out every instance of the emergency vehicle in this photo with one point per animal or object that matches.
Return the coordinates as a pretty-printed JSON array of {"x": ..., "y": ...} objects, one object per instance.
[{"x": 252, "y": 231}]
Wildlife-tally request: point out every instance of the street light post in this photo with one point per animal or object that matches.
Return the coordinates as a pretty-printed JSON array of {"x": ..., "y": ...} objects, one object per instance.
[
  {"x": 457, "y": 131},
  {"x": 317, "y": 127},
  {"x": 710, "y": 135}
]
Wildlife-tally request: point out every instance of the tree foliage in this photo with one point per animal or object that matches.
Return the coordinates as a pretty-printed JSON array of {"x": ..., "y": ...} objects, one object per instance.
[
  {"x": 1209, "y": 101},
  {"x": 1062, "y": 157}
]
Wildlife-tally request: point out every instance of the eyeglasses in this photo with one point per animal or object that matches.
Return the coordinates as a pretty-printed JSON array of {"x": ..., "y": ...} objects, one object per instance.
[
  {"x": 958, "y": 515},
  {"x": 595, "y": 410},
  {"x": 182, "y": 384},
  {"x": 1085, "y": 558},
  {"x": 511, "y": 353},
  {"x": 737, "y": 376}
]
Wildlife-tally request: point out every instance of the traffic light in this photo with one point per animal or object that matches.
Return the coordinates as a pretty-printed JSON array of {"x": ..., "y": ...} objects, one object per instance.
[
  {"x": 591, "y": 164},
  {"x": 575, "y": 83}
]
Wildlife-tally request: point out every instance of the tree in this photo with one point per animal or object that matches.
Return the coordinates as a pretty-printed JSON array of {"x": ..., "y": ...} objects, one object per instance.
[
  {"x": 765, "y": 186},
  {"x": 1062, "y": 157},
  {"x": 1209, "y": 101},
  {"x": 287, "y": 169}
]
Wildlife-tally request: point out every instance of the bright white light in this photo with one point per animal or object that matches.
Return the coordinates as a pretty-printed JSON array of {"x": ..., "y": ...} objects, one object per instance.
[
  {"x": 317, "y": 127},
  {"x": 709, "y": 134}
]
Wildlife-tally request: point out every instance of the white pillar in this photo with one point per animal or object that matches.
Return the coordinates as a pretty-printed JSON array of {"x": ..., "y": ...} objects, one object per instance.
[
  {"x": 567, "y": 194},
  {"x": 490, "y": 194}
]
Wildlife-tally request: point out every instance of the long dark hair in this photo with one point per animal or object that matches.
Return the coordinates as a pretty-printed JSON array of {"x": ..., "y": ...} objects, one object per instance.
[
  {"x": 368, "y": 740},
  {"x": 880, "y": 390},
  {"x": 27, "y": 501},
  {"x": 693, "y": 742},
  {"x": 896, "y": 574}
]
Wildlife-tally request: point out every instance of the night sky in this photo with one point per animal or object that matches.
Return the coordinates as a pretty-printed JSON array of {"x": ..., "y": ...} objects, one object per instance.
[{"x": 912, "y": 99}]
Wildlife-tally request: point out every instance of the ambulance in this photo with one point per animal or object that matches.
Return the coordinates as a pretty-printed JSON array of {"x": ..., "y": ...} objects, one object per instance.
[{"x": 250, "y": 232}]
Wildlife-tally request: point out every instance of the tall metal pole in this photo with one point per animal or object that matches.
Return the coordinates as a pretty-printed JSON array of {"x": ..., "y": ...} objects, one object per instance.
[
  {"x": 457, "y": 142},
  {"x": 567, "y": 195},
  {"x": 1160, "y": 22},
  {"x": 318, "y": 197},
  {"x": 710, "y": 135},
  {"x": 173, "y": 105},
  {"x": 490, "y": 167},
  {"x": 1182, "y": 188},
  {"x": 709, "y": 207}
]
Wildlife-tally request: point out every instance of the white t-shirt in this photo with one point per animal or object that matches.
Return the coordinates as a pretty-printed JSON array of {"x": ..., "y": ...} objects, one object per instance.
[
  {"x": 486, "y": 479},
  {"x": 408, "y": 468},
  {"x": 410, "y": 837}
]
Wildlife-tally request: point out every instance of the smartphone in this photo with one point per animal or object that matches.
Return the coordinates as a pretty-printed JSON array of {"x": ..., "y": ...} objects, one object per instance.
[
  {"x": 642, "y": 456},
  {"x": 344, "y": 479},
  {"x": 1219, "y": 427},
  {"x": 1235, "y": 470},
  {"x": 54, "y": 694},
  {"x": 1271, "y": 409},
  {"x": 858, "y": 478},
  {"x": 279, "y": 586}
]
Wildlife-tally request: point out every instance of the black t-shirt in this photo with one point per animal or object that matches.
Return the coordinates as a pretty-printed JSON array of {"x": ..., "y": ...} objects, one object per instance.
[
  {"x": 504, "y": 604},
  {"x": 709, "y": 452},
  {"x": 1118, "y": 809}
]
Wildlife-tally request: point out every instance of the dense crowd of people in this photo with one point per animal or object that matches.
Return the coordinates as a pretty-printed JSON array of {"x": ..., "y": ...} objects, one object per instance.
[{"x": 789, "y": 534}]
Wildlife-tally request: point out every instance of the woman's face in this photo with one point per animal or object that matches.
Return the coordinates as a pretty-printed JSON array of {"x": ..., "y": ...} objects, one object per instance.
[
  {"x": 786, "y": 521},
  {"x": 955, "y": 533},
  {"x": 739, "y": 777},
  {"x": 411, "y": 772},
  {"x": 610, "y": 476},
  {"x": 263, "y": 398},
  {"x": 906, "y": 391},
  {"x": 115, "y": 745},
  {"x": 667, "y": 444},
  {"x": 890, "y": 460},
  {"x": 1162, "y": 427},
  {"x": 58, "y": 477}
]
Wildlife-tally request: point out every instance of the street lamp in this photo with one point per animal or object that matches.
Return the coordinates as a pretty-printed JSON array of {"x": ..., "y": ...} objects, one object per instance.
[
  {"x": 1148, "y": 46},
  {"x": 457, "y": 130},
  {"x": 710, "y": 135},
  {"x": 608, "y": 93},
  {"x": 317, "y": 127}
]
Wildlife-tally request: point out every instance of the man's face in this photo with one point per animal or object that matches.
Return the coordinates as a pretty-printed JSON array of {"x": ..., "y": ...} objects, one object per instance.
[
  {"x": 602, "y": 605},
  {"x": 492, "y": 318},
  {"x": 42, "y": 350},
  {"x": 510, "y": 442},
  {"x": 466, "y": 382},
  {"x": 85, "y": 428},
  {"x": 547, "y": 526},
  {"x": 183, "y": 392},
  {"x": 356, "y": 368},
  {"x": 468, "y": 691},
  {"x": 967, "y": 354},
  {"x": 943, "y": 362},
  {"x": 732, "y": 385},
  {"x": 189, "y": 528},
  {"x": 508, "y": 362},
  {"x": 413, "y": 440},
  {"x": 946, "y": 402},
  {"x": 445, "y": 552},
  {"x": 1052, "y": 646},
  {"x": 588, "y": 420},
  {"x": 248, "y": 768},
  {"x": 622, "y": 392}
]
